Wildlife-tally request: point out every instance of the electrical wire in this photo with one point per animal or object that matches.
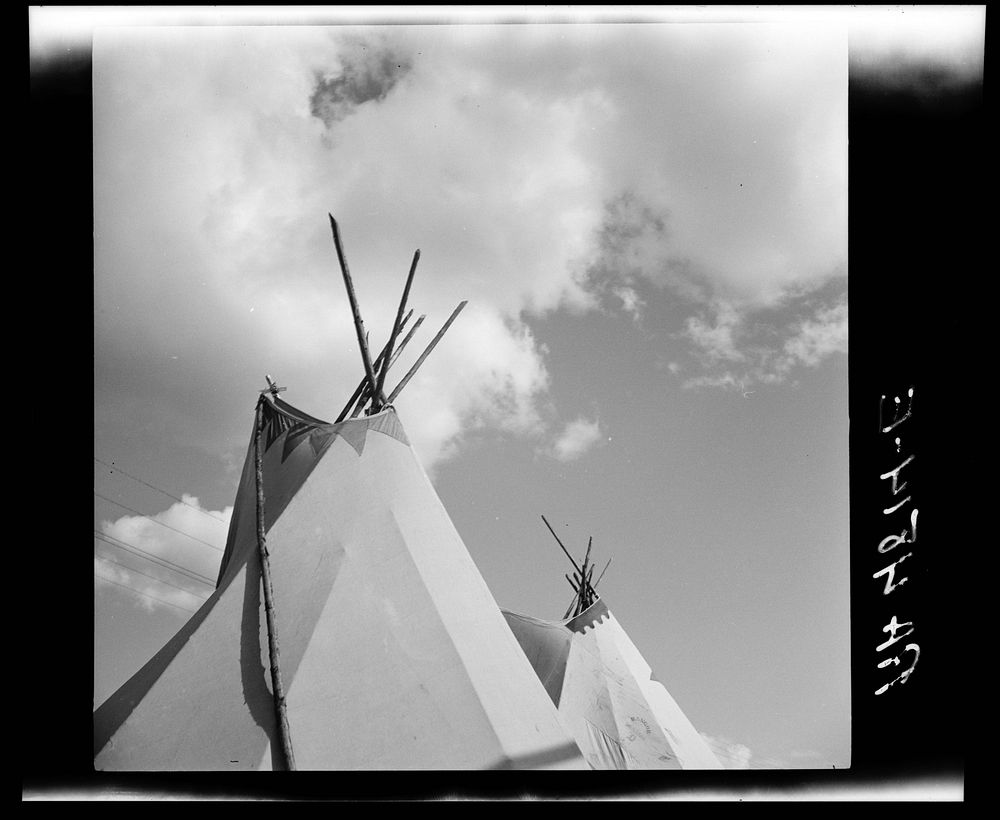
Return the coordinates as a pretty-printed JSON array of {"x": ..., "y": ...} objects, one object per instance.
[
  {"x": 142, "y": 515},
  {"x": 161, "y": 490},
  {"x": 144, "y": 594},
  {"x": 147, "y": 575},
  {"x": 115, "y": 542}
]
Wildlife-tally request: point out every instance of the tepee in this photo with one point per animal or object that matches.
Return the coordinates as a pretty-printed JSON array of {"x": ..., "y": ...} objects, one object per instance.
[
  {"x": 393, "y": 653},
  {"x": 618, "y": 713}
]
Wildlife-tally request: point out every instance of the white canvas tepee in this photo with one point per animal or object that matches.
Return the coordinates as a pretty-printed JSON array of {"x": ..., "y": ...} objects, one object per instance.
[
  {"x": 394, "y": 654},
  {"x": 620, "y": 716}
]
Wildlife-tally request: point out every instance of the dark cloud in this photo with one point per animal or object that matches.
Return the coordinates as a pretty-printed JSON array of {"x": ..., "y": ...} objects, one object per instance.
[
  {"x": 634, "y": 254},
  {"x": 627, "y": 220},
  {"x": 741, "y": 347},
  {"x": 371, "y": 75},
  {"x": 630, "y": 241}
]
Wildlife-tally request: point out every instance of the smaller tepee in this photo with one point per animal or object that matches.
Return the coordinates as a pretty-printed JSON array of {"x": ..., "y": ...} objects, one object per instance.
[{"x": 620, "y": 716}]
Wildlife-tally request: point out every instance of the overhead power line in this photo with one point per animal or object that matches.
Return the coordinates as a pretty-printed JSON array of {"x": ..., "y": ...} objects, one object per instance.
[
  {"x": 160, "y": 490},
  {"x": 147, "y": 575},
  {"x": 144, "y": 594},
  {"x": 155, "y": 558},
  {"x": 143, "y": 515}
]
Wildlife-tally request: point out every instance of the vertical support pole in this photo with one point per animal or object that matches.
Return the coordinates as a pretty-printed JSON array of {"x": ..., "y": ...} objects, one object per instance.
[
  {"x": 395, "y": 355},
  {"x": 397, "y": 326},
  {"x": 602, "y": 574},
  {"x": 364, "y": 387},
  {"x": 359, "y": 325},
  {"x": 426, "y": 353},
  {"x": 572, "y": 606},
  {"x": 575, "y": 603},
  {"x": 560, "y": 543},
  {"x": 277, "y": 687},
  {"x": 586, "y": 597}
]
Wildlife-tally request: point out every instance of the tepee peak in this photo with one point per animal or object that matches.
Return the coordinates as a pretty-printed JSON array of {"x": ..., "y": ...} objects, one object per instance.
[
  {"x": 370, "y": 395},
  {"x": 620, "y": 715},
  {"x": 584, "y": 589}
]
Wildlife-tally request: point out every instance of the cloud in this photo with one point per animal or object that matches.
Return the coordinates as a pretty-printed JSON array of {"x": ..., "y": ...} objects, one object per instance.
[
  {"x": 152, "y": 594},
  {"x": 633, "y": 233},
  {"x": 767, "y": 349},
  {"x": 630, "y": 244},
  {"x": 819, "y": 337},
  {"x": 716, "y": 340},
  {"x": 525, "y": 162},
  {"x": 488, "y": 373},
  {"x": 367, "y": 75},
  {"x": 747, "y": 155},
  {"x": 735, "y": 755},
  {"x": 232, "y": 189},
  {"x": 727, "y": 379},
  {"x": 731, "y": 755},
  {"x": 184, "y": 535},
  {"x": 632, "y": 303},
  {"x": 576, "y": 438}
]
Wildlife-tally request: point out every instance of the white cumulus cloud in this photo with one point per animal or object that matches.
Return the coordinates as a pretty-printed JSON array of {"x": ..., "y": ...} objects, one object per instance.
[
  {"x": 526, "y": 163},
  {"x": 819, "y": 337},
  {"x": 717, "y": 339},
  {"x": 171, "y": 558},
  {"x": 731, "y": 755},
  {"x": 576, "y": 438},
  {"x": 737, "y": 352}
]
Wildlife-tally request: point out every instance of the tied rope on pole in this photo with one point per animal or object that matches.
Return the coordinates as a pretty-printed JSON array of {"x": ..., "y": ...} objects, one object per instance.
[{"x": 277, "y": 687}]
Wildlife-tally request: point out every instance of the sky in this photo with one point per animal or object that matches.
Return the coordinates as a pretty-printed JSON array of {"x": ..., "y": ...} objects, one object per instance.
[{"x": 649, "y": 222}]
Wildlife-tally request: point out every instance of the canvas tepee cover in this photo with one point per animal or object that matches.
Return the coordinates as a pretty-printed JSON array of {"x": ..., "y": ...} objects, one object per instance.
[
  {"x": 619, "y": 714},
  {"x": 393, "y": 652}
]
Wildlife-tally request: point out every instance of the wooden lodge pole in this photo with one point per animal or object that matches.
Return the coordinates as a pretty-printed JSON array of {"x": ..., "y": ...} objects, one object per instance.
[
  {"x": 602, "y": 573},
  {"x": 426, "y": 353},
  {"x": 402, "y": 346},
  {"x": 397, "y": 326},
  {"x": 560, "y": 543},
  {"x": 277, "y": 687},
  {"x": 590, "y": 589},
  {"x": 569, "y": 611},
  {"x": 582, "y": 574},
  {"x": 406, "y": 339},
  {"x": 361, "y": 388},
  {"x": 359, "y": 325}
]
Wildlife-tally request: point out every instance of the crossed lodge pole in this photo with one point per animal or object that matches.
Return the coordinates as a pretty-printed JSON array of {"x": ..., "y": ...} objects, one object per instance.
[{"x": 373, "y": 385}]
